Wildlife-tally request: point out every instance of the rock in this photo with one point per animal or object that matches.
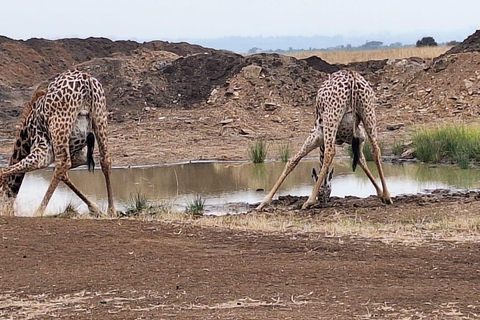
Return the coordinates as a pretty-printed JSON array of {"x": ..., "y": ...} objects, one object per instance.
[
  {"x": 393, "y": 127},
  {"x": 246, "y": 131},
  {"x": 408, "y": 154},
  {"x": 468, "y": 86},
  {"x": 226, "y": 121},
  {"x": 270, "y": 106},
  {"x": 440, "y": 64},
  {"x": 277, "y": 119},
  {"x": 251, "y": 72}
]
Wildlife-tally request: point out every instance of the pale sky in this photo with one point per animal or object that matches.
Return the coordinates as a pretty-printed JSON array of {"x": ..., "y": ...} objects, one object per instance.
[{"x": 145, "y": 20}]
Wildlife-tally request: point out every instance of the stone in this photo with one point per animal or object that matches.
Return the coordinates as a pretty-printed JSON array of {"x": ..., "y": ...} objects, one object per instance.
[
  {"x": 251, "y": 72},
  {"x": 270, "y": 106},
  {"x": 393, "y": 127},
  {"x": 226, "y": 121}
]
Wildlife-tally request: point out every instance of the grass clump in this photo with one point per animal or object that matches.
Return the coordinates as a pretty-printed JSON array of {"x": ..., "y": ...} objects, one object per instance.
[
  {"x": 258, "y": 151},
  {"x": 69, "y": 212},
  {"x": 457, "y": 144},
  {"x": 285, "y": 152},
  {"x": 137, "y": 204},
  {"x": 196, "y": 206}
]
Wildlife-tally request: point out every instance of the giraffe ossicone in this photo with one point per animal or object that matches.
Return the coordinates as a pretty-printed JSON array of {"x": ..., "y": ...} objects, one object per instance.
[
  {"x": 344, "y": 101},
  {"x": 60, "y": 125}
]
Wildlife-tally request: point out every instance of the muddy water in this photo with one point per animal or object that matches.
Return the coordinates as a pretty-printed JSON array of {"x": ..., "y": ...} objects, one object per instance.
[{"x": 229, "y": 187}]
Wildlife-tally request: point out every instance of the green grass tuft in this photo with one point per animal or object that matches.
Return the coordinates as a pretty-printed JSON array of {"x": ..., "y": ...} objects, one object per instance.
[
  {"x": 285, "y": 152},
  {"x": 196, "y": 206},
  {"x": 258, "y": 151},
  {"x": 69, "y": 212},
  {"x": 136, "y": 204},
  {"x": 457, "y": 144}
]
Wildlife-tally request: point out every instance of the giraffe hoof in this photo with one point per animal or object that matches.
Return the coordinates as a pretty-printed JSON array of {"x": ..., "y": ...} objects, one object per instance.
[
  {"x": 260, "y": 206},
  {"x": 112, "y": 212},
  {"x": 307, "y": 205}
]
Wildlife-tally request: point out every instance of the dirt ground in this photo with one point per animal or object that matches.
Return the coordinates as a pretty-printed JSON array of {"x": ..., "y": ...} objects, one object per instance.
[{"x": 131, "y": 269}]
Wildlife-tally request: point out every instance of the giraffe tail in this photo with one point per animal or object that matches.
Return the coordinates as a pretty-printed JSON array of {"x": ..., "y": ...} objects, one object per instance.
[
  {"x": 90, "y": 147},
  {"x": 356, "y": 152}
]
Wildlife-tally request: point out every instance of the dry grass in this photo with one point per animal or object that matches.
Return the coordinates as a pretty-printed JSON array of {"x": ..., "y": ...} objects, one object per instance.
[
  {"x": 459, "y": 225},
  {"x": 366, "y": 55}
]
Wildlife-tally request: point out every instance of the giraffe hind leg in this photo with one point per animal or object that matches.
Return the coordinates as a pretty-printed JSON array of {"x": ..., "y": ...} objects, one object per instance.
[
  {"x": 99, "y": 124},
  {"x": 370, "y": 127}
]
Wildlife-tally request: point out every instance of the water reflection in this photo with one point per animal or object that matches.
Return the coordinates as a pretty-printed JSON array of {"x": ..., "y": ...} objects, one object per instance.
[{"x": 223, "y": 183}]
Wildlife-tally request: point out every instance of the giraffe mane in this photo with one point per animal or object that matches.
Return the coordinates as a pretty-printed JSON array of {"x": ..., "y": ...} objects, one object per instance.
[{"x": 28, "y": 109}]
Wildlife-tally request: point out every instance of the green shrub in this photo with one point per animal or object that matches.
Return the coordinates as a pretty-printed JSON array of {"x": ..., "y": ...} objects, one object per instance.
[
  {"x": 458, "y": 144},
  {"x": 258, "y": 151}
]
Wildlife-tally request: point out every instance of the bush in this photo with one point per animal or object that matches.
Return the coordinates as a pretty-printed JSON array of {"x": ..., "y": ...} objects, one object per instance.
[
  {"x": 454, "y": 143},
  {"x": 427, "y": 42}
]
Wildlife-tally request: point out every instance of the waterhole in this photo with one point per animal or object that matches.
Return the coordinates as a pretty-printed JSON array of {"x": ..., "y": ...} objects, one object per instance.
[{"x": 229, "y": 187}]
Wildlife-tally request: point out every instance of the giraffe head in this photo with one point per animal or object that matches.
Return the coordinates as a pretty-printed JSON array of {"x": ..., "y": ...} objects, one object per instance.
[{"x": 326, "y": 188}]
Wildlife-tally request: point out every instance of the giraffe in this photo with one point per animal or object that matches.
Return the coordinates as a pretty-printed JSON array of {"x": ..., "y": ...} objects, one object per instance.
[
  {"x": 343, "y": 101},
  {"x": 56, "y": 126}
]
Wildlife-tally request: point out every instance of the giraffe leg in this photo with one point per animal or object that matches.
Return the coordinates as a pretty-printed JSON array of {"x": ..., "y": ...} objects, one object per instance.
[
  {"x": 92, "y": 207},
  {"x": 363, "y": 165},
  {"x": 313, "y": 141},
  {"x": 372, "y": 134},
  {"x": 330, "y": 128},
  {"x": 99, "y": 122},
  {"x": 62, "y": 164}
]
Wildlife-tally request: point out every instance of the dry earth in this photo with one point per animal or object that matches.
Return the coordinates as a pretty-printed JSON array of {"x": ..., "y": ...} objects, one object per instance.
[{"x": 175, "y": 102}]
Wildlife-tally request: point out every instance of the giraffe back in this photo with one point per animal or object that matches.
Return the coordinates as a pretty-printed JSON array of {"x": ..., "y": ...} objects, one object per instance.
[{"x": 349, "y": 95}]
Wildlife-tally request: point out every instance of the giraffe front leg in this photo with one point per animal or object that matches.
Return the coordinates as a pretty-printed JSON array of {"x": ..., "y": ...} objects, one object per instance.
[{"x": 313, "y": 141}]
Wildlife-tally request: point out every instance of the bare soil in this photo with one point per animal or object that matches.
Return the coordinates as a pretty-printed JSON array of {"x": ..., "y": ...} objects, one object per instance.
[
  {"x": 176, "y": 102},
  {"x": 131, "y": 269}
]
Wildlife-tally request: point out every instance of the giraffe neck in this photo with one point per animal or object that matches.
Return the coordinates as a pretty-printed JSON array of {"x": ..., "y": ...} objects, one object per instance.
[{"x": 21, "y": 148}]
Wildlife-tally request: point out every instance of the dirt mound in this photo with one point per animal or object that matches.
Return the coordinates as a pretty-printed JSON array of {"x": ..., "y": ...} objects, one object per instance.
[
  {"x": 135, "y": 76},
  {"x": 190, "y": 79},
  {"x": 319, "y": 64},
  {"x": 437, "y": 195},
  {"x": 471, "y": 44},
  {"x": 25, "y": 63},
  {"x": 443, "y": 91}
]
